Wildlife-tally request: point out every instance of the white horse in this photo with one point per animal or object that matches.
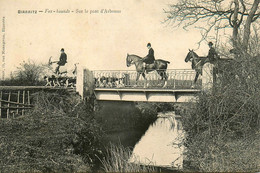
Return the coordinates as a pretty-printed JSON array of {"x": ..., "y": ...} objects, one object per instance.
[
  {"x": 63, "y": 70},
  {"x": 63, "y": 77}
]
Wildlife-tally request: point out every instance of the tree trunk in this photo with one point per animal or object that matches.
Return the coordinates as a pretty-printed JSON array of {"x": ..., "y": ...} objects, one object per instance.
[
  {"x": 235, "y": 24},
  {"x": 247, "y": 26}
]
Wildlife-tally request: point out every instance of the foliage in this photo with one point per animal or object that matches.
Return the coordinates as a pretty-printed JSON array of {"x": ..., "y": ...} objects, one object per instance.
[
  {"x": 147, "y": 114},
  {"x": 216, "y": 14},
  {"x": 58, "y": 135},
  {"x": 222, "y": 128},
  {"x": 29, "y": 73},
  {"x": 117, "y": 161}
]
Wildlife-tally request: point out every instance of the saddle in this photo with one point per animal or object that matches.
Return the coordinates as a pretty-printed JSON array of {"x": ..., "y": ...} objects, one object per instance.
[{"x": 149, "y": 66}]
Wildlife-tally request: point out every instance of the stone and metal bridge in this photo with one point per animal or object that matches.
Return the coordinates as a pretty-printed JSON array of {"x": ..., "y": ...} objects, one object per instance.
[{"x": 122, "y": 86}]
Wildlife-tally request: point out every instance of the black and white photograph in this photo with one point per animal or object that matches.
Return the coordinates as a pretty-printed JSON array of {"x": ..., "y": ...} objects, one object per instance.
[{"x": 130, "y": 86}]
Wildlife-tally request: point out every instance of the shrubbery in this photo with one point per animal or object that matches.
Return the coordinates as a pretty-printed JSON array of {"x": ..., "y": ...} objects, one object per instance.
[
  {"x": 58, "y": 135},
  {"x": 26, "y": 74},
  {"x": 222, "y": 128}
]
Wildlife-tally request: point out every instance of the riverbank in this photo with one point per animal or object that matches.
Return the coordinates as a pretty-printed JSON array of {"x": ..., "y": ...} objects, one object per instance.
[
  {"x": 58, "y": 135},
  {"x": 222, "y": 127}
]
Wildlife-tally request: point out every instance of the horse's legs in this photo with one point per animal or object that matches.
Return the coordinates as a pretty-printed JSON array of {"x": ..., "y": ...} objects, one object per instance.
[
  {"x": 196, "y": 77},
  {"x": 164, "y": 76},
  {"x": 195, "y": 80},
  {"x": 145, "y": 84},
  {"x": 137, "y": 77},
  {"x": 57, "y": 69}
]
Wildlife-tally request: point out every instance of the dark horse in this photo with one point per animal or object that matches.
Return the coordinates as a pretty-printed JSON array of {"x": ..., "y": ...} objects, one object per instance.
[
  {"x": 196, "y": 63},
  {"x": 159, "y": 65}
]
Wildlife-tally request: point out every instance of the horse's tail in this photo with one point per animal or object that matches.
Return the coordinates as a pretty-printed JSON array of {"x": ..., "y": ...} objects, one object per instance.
[{"x": 167, "y": 62}]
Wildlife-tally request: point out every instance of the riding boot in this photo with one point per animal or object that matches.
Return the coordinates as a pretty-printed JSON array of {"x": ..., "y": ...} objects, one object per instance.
[
  {"x": 57, "y": 70},
  {"x": 144, "y": 67}
]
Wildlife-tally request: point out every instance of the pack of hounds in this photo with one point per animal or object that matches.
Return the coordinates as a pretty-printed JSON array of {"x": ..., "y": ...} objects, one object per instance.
[
  {"x": 110, "y": 82},
  {"x": 101, "y": 82},
  {"x": 60, "y": 81}
]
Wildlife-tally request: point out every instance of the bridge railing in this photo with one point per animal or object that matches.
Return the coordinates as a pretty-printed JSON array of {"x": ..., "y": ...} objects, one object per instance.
[{"x": 177, "y": 78}]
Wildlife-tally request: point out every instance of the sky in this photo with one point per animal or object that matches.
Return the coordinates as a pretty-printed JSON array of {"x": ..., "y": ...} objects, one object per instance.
[{"x": 97, "y": 41}]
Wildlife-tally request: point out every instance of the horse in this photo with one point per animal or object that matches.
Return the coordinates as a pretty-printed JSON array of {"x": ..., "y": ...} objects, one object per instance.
[
  {"x": 54, "y": 65},
  {"x": 196, "y": 63},
  {"x": 159, "y": 65},
  {"x": 64, "y": 77}
]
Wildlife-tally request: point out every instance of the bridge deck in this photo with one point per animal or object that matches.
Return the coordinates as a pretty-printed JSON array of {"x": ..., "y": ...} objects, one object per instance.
[{"x": 146, "y": 94}]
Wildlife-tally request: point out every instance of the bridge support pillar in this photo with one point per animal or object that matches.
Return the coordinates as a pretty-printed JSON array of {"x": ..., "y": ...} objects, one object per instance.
[
  {"x": 207, "y": 77},
  {"x": 80, "y": 81},
  {"x": 84, "y": 82}
]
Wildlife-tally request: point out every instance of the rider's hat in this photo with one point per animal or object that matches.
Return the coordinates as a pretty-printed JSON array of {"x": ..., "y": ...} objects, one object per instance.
[
  {"x": 148, "y": 44},
  {"x": 62, "y": 49},
  {"x": 210, "y": 43}
]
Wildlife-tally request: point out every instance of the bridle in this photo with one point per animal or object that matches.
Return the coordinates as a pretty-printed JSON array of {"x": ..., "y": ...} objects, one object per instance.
[
  {"x": 193, "y": 58},
  {"x": 129, "y": 62}
]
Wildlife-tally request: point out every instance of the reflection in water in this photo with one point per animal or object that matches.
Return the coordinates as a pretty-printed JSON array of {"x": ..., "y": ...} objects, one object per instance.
[{"x": 161, "y": 144}]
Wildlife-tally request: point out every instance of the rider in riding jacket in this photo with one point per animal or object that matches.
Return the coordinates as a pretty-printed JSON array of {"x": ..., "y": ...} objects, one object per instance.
[
  {"x": 62, "y": 61},
  {"x": 149, "y": 59},
  {"x": 212, "y": 55}
]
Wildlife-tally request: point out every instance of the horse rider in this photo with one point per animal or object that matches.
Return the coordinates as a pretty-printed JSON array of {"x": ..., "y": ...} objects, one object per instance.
[
  {"x": 212, "y": 55},
  {"x": 213, "y": 59},
  {"x": 62, "y": 61},
  {"x": 149, "y": 59}
]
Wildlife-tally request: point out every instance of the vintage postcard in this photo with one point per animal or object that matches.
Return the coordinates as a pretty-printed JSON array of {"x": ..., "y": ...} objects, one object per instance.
[{"x": 129, "y": 85}]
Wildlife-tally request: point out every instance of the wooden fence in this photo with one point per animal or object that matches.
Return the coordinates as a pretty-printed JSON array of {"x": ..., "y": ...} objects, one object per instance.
[{"x": 15, "y": 100}]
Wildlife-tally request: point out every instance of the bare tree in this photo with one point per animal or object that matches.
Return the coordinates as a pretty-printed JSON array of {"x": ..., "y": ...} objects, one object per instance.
[{"x": 216, "y": 14}]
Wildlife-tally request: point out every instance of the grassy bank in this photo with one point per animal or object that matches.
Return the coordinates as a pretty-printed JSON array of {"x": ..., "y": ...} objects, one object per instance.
[
  {"x": 58, "y": 135},
  {"x": 222, "y": 127}
]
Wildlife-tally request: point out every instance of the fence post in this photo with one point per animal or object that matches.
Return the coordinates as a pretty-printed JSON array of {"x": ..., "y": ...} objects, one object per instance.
[
  {"x": 8, "y": 105},
  {"x": 23, "y": 102},
  {"x": 18, "y": 101},
  {"x": 207, "y": 77}
]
